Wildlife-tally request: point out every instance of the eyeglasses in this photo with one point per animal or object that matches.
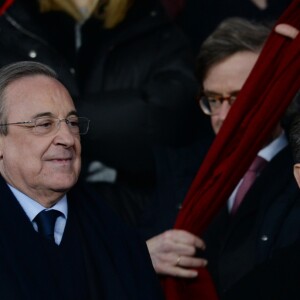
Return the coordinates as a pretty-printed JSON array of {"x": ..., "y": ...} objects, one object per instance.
[
  {"x": 211, "y": 105},
  {"x": 49, "y": 125}
]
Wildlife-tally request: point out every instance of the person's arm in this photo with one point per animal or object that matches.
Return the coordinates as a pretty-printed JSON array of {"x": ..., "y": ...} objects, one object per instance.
[
  {"x": 173, "y": 253},
  {"x": 287, "y": 30}
]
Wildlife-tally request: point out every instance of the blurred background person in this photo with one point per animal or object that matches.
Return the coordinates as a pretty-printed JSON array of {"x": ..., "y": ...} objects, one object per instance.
[{"x": 186, "y": 13}]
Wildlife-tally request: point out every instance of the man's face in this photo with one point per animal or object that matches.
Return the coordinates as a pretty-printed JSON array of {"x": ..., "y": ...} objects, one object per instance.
[
  {"x": 42, "y": 167},
  {"x": 227, "y": 78}
]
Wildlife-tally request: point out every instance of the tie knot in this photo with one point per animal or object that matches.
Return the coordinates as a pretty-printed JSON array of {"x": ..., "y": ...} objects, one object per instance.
[
  {"x": 258, "y": 164},
  {"x": 45, "y": 221}
]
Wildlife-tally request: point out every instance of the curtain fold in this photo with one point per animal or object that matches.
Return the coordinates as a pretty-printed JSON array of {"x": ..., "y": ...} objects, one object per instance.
[
  {"x": 268, "y": 91},
  {"x": 5, "y": 6}
]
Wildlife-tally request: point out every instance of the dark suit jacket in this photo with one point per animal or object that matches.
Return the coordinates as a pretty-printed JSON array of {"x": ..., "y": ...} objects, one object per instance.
[
  {"x": 98, "y": 258},
  {"x": 275, "y": 279},
  {"x": 176, "y": 168},
  {"x": 267, "y": 221}
]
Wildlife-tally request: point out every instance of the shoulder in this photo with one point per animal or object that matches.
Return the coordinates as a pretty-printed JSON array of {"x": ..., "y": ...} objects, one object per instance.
[
  {"x": 91, "y": 208},
  {"x": 277, "y": 278}
]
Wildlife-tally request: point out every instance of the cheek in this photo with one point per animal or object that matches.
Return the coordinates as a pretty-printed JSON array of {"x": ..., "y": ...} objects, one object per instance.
[
  {"x": 77, "y": 162},
  {"x": 29, "y": 157},
  {"x": 28, "y": 151},
  {"x": 20, "y": 163},
  {"x": 215, "y": 124},
  {"x": 77, "y": 150}
]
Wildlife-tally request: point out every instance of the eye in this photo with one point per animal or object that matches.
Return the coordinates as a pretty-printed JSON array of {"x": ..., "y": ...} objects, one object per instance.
[
  {"x": 44, "y": 123},
  {"x": 213, "y": 101},
  {"x": 73, "y": 122},
  {"x": 232, "y": 99}
]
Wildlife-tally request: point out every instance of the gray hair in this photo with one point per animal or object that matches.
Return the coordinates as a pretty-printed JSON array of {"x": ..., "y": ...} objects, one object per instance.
[
  {"x": 231, "y": 36},
  {"x": 13, "y": 72}
]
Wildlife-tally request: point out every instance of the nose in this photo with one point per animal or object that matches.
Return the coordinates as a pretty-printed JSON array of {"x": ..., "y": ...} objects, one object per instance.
[
  {"x": 64, "y": 136},
  {"x": 225, "y": 107}
]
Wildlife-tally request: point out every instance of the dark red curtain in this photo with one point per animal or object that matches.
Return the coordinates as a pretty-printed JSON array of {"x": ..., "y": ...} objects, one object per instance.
[
  {"x": 6, "y": 4},
  {"x": 264, "y": 98},
  {"x": 173, "y": 7}
]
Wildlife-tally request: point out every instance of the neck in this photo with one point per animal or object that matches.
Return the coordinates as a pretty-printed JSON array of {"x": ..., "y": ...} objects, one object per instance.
[{"x": 274, "y": 135}]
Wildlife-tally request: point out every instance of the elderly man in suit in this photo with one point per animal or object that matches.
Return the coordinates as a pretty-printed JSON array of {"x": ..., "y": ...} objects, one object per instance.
[{"x": 57, "y": 240}]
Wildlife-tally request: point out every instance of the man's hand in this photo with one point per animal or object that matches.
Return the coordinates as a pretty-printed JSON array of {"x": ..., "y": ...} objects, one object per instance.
[
  {"x": 172, "y": 253},
  {"x": 287, "y": 30}
]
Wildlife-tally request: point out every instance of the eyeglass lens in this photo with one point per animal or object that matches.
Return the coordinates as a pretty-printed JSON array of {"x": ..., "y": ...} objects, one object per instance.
[
  {"x": 77, "y": 125},
  {"x": 212, "y": 104}
]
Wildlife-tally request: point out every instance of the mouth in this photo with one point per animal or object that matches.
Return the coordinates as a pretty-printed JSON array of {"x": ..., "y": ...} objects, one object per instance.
[
  {"x": 61, "y": 160},
  {"x": 61, "y": 164},
  {"x": 64, "y": 158}
]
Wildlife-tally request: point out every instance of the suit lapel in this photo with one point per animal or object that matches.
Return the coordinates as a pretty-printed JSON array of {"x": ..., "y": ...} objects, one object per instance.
[
  {"x": 273, "y": 179},
  {"x": 21, "y": 249}
]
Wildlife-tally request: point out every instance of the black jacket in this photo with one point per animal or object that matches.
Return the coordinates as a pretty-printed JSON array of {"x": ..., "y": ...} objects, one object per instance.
[
  {"x": 135, "y": 82},
  {"x": 215, "y": 11},
  {"x": 176, "y": 168},
  {"x": 275, "y": 279},
  {"x": 267, "y": 221},
  {"x": 98, "y": 258}
]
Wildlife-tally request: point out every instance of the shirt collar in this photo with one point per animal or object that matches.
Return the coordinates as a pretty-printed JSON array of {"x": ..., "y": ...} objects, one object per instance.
[
  {"x": 274, "y": 147},
  {"x": 32, "y": 208}
]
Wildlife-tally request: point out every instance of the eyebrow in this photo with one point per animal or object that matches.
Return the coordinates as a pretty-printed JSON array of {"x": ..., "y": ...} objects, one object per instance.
[{"x": 49, "y": 114}]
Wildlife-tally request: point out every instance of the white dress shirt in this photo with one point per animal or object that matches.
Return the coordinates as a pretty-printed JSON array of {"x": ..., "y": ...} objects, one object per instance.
[{"x": 33, "y": 208}]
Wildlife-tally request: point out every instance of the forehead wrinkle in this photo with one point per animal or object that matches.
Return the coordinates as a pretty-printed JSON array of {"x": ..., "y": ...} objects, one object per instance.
[
  {"x": 50, "y": 114},
  {"x": 43, "y": 114},
  {"x": 19, "y": 89}
]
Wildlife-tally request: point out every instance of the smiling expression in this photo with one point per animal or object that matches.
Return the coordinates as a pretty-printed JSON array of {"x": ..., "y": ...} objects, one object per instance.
[{"x": 42, "y": 167}]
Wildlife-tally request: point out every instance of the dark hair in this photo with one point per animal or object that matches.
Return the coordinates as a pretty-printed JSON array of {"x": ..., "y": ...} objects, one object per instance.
[
  {"x": 294, "y": 127},
  {"x": 13, "y": 72},
  {"x": 231, "y": 36}
]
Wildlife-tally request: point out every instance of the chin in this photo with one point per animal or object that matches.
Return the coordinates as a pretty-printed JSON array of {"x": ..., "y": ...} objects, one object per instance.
[{"x": 63, "y": 184}]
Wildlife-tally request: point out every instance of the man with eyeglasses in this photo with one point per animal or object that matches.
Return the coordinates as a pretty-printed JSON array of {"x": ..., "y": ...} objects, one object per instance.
[
  {"x": 57, "y": 239},
  {"x": 267, "y": 217},
  {"x": 247, "y": 231}
]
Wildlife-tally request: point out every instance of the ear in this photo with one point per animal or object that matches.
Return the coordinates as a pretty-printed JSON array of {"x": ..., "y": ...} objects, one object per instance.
[{"x": 297, "y": 173}]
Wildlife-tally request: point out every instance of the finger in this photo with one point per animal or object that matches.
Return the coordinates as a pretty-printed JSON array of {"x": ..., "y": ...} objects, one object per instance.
[
  {"x": 183, "y": 249},
  {"x": 177, "y": 271},
  {"x": 181, "y": 266},
  {"x": 287, "y": 30},
  {"x": 190, "y": 262},
  {"x": 182, "y": 236},
  {"x": 184, "y": 273}
]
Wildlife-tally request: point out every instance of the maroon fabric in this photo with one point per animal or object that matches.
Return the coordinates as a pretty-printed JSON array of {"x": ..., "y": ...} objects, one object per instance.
[
  {"x": 265, "y": 96},
  {"x": 173, "y": 7},
  {"x": 5, "y": 6}
]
